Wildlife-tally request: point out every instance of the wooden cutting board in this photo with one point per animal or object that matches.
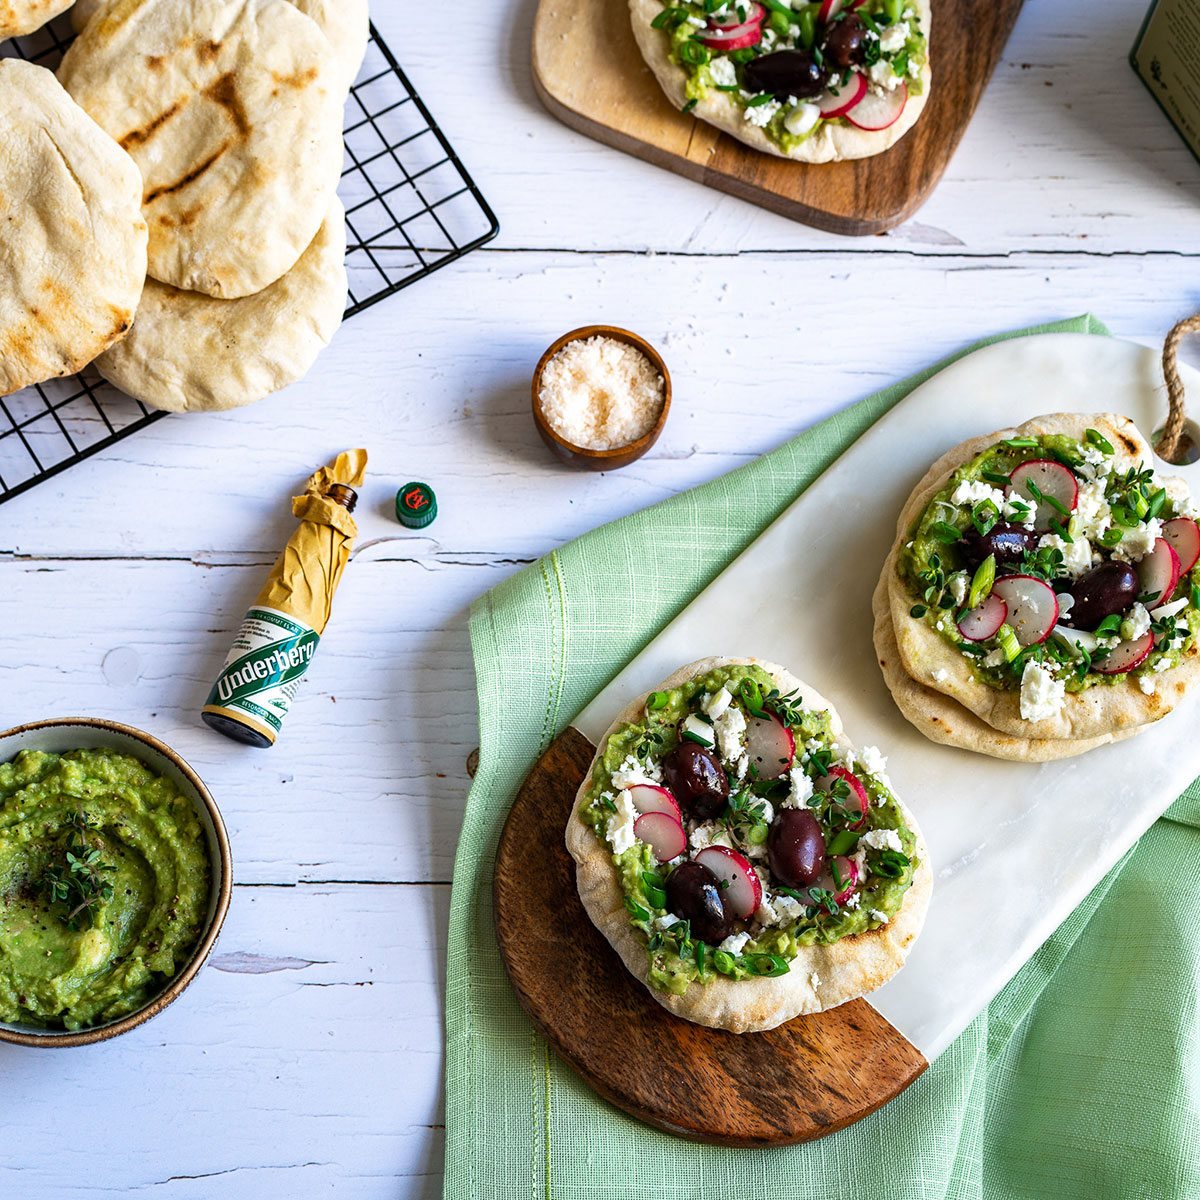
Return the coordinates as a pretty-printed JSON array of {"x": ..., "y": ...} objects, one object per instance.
[
  {"x": 808, "y": 1078},
  {"x": 590, "y": 74}
]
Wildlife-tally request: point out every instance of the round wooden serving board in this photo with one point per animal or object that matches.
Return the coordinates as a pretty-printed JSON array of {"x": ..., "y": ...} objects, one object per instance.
[
  {"x": 808, "y": 1078},
  {"x": 590, "y": 74}
]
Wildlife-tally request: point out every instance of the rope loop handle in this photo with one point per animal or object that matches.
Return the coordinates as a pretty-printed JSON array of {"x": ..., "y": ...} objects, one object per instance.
[{"x": 1169, "y": 444}]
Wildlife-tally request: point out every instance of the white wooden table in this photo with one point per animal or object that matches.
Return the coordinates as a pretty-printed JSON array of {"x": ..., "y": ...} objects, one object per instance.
[{"x": 307, "y": 1058}]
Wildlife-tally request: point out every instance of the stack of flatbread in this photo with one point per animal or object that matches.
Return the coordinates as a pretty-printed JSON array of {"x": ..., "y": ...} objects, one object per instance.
[
  {"x": 934, "y": 685},
  {"x": 218, "y": 123}
]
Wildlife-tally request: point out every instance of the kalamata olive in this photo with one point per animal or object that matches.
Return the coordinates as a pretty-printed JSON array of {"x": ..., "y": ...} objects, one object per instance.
[
  {"x": 694, "y": 894},
  {"x": 845, "y": 44},
  {"x": 785, "y": 73},
  {"x": 696, "y": 779},
  {"x": 1102, "y": 592},
  {"x": 1006, "y": 541},
  {"x": 796, "y": 847}
]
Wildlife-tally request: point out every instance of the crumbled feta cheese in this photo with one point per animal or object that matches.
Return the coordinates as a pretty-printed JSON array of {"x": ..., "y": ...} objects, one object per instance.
[
  {"x": 741, "y": 767},
  {"x": 881, "y": 839},
  {"x": 871, "y": 759},
  {"x": 730, "y": 726},
  {"x": 893, "y": 38},
  {"x": 768, "y": 811},
  {"x": 1163, "y": 664},
  {"x": 970, "y": 492},
  {"x": 735, "y": 943},
  {"x": 1139, "y": 622},
  {"x": 1092, "y": 515},
  {"x": 761, "y": 114},
  {"x": 620, "y": 824},
  {"x": 883, "y": 76},
  {"x": 632, "y": 772},
  {"x": 1077, "y": 555},
  {"x": 995, "y": 658},
  {"x": 788, "y": 907},
  {"x": 1137, "y": 543},
  {"x": 723, "y": 72},
  {"x": 710, "y": 834},
  {"x": 769, "y": 38},
  {"x": 1148, "y": 684},
  {"x": 940, "y": 675},
  {"x": 765, "y": 914},
  {"x": 698, "y": 23},
  {"x": 1185, "y": 504},
  {"x": 959, "y": 585},
  {"x": 715, "y": 703},
  {"x": 802, "y": 119},
  {"x": 876, "y": 915},
  {"x": 815, "y": 980},
  {"x": 1041, "y": 694},
  {"x": 914, "y": 68},
  {"x": 853, "y": 902},
  {"x": 801, "y": 789}
]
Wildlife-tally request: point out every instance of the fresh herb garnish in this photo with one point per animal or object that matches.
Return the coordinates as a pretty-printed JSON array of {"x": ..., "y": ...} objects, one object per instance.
[{"x": 79, "y": 883}]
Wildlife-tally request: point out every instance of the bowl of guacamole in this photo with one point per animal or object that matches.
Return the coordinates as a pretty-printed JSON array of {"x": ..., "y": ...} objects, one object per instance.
[{"x": 115, "y": 878}]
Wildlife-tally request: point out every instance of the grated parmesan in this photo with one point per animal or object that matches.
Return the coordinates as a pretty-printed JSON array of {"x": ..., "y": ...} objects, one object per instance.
[{"x": 599, "y": 393}]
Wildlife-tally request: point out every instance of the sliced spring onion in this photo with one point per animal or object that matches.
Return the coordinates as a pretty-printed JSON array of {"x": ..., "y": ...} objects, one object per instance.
[
  {"x": 945, "y": 532},
  {"x": 657, "y": 700},
  {"x": 1006, "y": 639},
  {"x": 636, "y": 911},
  {"x": 1100, "y": 441},
  {"x": 724, "y": 962},
  {"x": 841, "y": 843},
  {"x": 981, "y": 584}
]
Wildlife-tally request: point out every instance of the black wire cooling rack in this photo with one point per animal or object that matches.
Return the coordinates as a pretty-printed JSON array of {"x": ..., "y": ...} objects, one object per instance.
[{"x": 411, "y": 208}]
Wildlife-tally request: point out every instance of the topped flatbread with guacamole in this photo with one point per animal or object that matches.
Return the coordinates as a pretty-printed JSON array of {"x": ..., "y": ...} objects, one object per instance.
[
  {"x": 1045, "y": 580},
  {"x": 815, "y": 83},
  {"x": 746, "y": 862}
]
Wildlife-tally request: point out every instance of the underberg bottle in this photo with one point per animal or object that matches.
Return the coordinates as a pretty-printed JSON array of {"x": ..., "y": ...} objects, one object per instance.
[{"x": 279, "y": 635}]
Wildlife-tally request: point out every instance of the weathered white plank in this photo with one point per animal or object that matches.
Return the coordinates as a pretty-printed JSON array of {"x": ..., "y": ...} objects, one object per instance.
[
  {"x": 305, "y": 1059},
  {"x": 368, "y": 778},
  {"x": 435, "y": 383}
]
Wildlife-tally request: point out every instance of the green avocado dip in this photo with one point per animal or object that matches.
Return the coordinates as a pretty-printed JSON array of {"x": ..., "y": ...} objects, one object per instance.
[
  {"x": 789, "y": 72},
  {"x": 866, "y": 857},
  {"x": 1053, "y": 570},
  {"x": 104, "y": 887}
]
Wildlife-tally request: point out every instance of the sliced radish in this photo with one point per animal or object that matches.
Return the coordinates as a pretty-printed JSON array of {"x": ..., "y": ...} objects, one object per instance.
[
  {"x": 984, "y": 622},
  {"x": 770, "y": 745},
  {"x": 848, "y": 873},
  {"x": 754, "y": 15},
  {"x": 740, "y": 37},
  {"x": 848, "y": 96},
  {"x": 1050, "y": 478},
  {"x": 878, "y": 110},
  {"x": 743, "y": 893},
  {"x": 857, "y": 802},
  {"x": 1158, "y": 572},
  {"x": 646, "y": 798},
  {"x": 662, "y": 833},
  {"x": 1032, "y": 607},
  {"x": 1126, "y": 656},
  {"x": 830, "y": 8},
  {"x": 1184, "y": 535}
]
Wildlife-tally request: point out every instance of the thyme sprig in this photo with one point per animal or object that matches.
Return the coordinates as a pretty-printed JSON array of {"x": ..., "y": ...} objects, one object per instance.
[{"x": 79, "y": 881}]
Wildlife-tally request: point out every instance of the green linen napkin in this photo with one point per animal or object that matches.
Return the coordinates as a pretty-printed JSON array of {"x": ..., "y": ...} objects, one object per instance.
[{"x": 1082, "y": 1079}]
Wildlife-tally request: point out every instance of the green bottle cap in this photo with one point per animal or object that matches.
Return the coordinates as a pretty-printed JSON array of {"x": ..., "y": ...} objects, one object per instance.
[{"x": 416, "y": 505}]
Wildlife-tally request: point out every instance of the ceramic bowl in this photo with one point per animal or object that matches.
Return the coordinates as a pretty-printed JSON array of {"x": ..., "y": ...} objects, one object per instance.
[
  {"x": 618, "y": 456},
  {"x": 82, "y": 733}
]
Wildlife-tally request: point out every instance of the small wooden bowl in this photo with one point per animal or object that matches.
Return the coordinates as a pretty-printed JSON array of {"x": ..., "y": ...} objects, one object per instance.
[
  {"x": 618, "y": 456},
  {"x": 82, "y": 733}
]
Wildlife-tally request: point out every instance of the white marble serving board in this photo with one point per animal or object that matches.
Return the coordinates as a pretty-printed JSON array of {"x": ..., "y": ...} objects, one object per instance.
[{"x": 1015, "y": 847}]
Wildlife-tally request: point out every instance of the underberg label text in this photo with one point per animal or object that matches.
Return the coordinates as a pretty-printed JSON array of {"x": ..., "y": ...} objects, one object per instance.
[{"x": 264, "y": 666}]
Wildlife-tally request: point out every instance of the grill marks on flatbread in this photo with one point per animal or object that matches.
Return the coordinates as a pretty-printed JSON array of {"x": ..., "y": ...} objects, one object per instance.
[
  {"x": 19, "y": 17},
  {"x": 232, "y": 110},
  {"x": 189, "y": 352},
  {"x": 71, "y": 232}
]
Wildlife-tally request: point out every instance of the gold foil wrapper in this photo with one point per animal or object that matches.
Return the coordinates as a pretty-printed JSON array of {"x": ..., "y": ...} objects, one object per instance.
[{"x": 306, "y": 575}]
